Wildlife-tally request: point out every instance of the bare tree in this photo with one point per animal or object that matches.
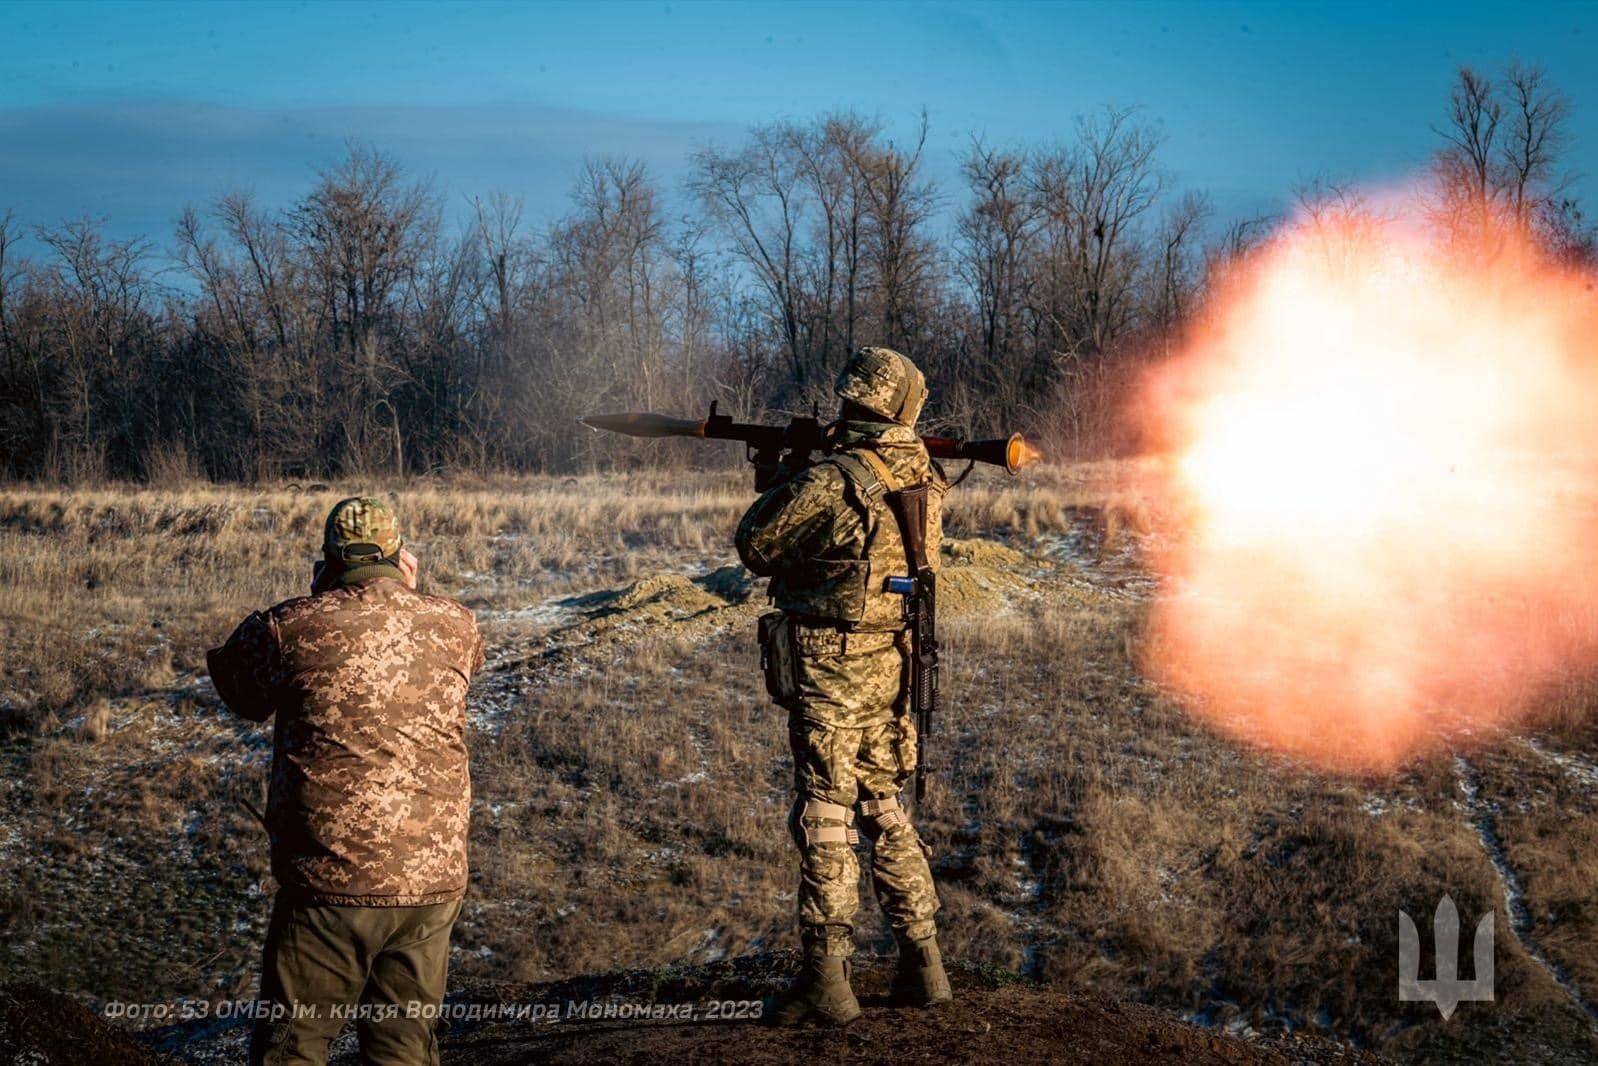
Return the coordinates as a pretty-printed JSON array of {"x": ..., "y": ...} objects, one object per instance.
[
  {"x": 356, "y": 332},
  {"x": 360, "y": 232},
  {"x": 994, "y": 245},
  {"x": 265, "y": 249},
  {"x": 1095, "y": 194},
  {"x": 10, "y": 272},
  {"x": 1564, "y": 230},
  {"x": 824, "y": 157},
  {"x": 897, "y": 205},
  {"x": 498, "y": 227},
  {"x": 1466, "y": 166},
  {"x": 1178, "y": 262},
  {"x": 1535, "y": 119},
  {"x": 755, "y": 199},
  {"x": 1342, "y": 221},
  {"x": 1497, "y": 169},
  {"x": 102, "y": 333}
]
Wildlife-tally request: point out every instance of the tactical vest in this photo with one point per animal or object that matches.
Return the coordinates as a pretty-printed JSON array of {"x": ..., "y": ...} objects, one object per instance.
[{"x": 850, "y": 588}]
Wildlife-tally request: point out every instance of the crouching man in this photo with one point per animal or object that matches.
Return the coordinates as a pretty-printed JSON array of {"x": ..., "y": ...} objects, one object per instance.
[{"x": 370, "y": 797}]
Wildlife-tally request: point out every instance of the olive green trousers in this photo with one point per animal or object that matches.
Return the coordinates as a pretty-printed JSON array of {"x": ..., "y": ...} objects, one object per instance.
[{"x": 381, "y": 967}]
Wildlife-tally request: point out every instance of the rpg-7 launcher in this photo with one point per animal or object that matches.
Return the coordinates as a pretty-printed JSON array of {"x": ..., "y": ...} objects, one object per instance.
[{"x": 804, "y": 436}]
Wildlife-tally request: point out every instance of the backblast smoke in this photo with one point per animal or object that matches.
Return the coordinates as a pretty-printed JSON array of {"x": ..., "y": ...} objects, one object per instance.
[{"x": 1384, "y": 465}]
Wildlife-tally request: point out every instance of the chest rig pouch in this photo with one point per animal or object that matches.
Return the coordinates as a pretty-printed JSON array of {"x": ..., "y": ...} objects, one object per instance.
[
  {"x": 907, "y": 542},
  {"x": 852, "y": 591}
]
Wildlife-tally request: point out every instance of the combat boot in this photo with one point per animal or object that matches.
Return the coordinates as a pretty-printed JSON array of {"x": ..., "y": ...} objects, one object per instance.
[
  {"x": 822, "y": 995},
  {"x": 920, "y": 980}
]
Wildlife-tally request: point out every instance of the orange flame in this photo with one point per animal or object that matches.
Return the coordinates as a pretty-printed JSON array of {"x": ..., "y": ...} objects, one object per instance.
[{"x": 1386, "y": 459}]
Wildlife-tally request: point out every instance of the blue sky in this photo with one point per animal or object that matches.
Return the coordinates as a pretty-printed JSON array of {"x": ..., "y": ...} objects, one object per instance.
[{"x": 132, "y": 110}]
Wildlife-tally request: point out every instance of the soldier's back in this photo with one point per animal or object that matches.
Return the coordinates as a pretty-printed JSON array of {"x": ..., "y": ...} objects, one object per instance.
[
  {"x": 377, "y": 637},
  {"x": 370, "y": 792}
]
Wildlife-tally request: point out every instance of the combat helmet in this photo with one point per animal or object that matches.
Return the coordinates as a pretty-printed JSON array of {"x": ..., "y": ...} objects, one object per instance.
[
  {"x": 885, "y": 383},
  {"x": 361, "y": 530}
]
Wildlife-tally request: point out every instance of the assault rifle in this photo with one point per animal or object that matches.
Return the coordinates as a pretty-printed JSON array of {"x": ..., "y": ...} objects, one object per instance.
[
  {"x": 802, "y": 437},
  {"x": 920, "y": 592}
]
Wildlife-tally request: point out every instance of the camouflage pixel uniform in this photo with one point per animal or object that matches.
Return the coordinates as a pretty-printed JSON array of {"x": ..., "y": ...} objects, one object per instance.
[
  {"x": 370, "y": 796},
  {"x": 829, "y": 542}
]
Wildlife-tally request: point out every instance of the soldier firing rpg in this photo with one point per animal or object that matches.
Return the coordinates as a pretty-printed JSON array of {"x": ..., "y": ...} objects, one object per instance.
[
  {"x": 833, "y": 537},
  {"x": 850, "y": 542},
  {"x": 838, "y": 659}
]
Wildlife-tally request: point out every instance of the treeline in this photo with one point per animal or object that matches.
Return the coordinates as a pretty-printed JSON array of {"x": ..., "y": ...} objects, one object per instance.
[{"x": 355, "y": 333}]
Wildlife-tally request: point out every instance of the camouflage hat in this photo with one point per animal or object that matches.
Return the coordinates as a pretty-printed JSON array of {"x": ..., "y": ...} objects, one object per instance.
[
  {"x": 361, "y": 529},
  {"x": 885, "y": 383}
]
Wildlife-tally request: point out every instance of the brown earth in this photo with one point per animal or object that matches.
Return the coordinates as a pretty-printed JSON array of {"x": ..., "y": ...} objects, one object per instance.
[
  {"x": 994, "y": 1019},
  {"x": 675, "y": 1014},
  {"x": 42, "y": 1028}
]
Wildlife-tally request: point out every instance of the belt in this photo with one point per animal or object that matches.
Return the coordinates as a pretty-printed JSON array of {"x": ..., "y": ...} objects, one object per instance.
[{"x": 823, "y": 638}]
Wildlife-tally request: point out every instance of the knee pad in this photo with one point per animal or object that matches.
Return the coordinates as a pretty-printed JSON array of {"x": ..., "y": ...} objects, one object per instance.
[
  {"x": 837, "y": 823},
  {"x": 881, "y": 814}
]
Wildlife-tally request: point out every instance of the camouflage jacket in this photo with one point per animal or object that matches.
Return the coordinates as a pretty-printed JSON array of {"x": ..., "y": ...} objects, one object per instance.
[
  {"x": 828, "y": 548},
  {"x": 370, "y": 794}
]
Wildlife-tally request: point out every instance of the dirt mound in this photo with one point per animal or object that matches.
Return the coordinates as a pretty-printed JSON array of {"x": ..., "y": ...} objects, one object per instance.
[
  {"x": 42, "y": 1028},
  {"x": 988, "y": 553},
  {"x": 979, "y": 576},
  {"x": 994, "y": 1019},
  {"x": 668, "y": 597},
  {"x": 732, "y": 583}
]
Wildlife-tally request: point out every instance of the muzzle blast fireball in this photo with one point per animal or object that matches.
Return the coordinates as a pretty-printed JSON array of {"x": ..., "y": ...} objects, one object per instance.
[{"x": 1384, "y": 463}]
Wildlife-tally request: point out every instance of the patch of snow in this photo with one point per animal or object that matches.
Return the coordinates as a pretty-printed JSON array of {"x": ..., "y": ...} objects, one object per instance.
[
  {"x": 553, "y": 612},
  {"x": 1483, "y": 816},
  {"x": 698, "y": 777},
  {"x": 1582, "y": 770}
]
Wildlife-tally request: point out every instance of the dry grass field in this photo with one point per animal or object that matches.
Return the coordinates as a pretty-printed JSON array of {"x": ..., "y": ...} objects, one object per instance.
[{"x": 631, "y": 780}]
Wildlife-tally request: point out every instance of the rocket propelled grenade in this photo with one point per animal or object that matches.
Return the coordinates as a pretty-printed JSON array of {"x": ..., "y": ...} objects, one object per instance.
[
  {"x": 805, "y": 435},
  {"x": 1013, "y": 452}
]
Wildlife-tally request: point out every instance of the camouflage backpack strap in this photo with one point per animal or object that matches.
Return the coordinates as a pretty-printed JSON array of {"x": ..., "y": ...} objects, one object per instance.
[
  {"x": 870, "y": 481},
  {"x": 880, "y": 467}
]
